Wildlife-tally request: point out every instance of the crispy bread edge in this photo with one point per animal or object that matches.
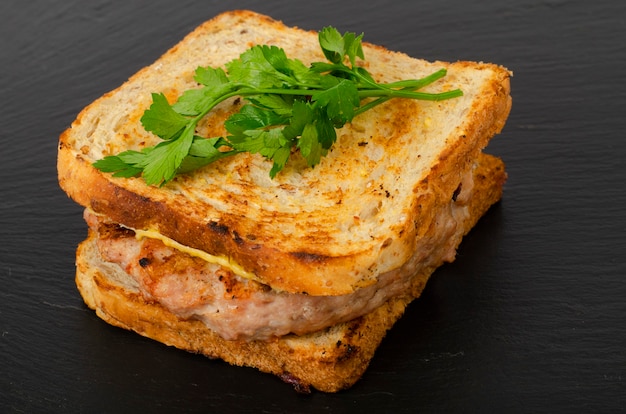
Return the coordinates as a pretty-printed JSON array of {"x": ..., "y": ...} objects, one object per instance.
[{"x": 329, "y": 360}]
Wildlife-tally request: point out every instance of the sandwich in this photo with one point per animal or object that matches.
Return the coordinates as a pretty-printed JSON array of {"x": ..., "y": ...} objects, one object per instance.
[{"x": 295, "y": 263}]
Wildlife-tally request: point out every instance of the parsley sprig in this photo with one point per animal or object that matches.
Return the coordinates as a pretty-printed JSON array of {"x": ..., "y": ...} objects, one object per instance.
[{"x": 287, "y": 105}]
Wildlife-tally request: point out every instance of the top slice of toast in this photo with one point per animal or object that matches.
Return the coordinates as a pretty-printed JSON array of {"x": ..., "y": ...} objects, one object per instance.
[{"x": 326, "y": 230}]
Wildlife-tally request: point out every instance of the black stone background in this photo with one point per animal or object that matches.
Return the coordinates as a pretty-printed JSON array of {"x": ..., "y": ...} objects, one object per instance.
[{"x": 530, "y": 317}]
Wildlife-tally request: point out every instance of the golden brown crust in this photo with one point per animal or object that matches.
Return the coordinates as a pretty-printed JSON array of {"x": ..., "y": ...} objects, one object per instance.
[
  {"x": 328, "y": 360},
  {"x": 306, "y": 231}
]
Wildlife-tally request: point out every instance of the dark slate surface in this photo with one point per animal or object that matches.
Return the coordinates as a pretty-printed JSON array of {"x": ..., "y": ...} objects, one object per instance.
[{"x": 530, "y": 318}]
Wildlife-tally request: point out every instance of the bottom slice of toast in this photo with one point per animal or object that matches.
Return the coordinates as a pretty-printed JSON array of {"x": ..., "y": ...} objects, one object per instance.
[{"x": 328, "y": 360}]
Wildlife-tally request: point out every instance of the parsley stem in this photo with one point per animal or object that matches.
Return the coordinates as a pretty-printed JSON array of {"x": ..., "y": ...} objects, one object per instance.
[
  {"x": 383, "y": 99},
  {"x": 394, "y": 93},
  {"x": 363, "y": 93},
  {"x": 418, "y": 83},
  {"x": 371, "y": 104}
]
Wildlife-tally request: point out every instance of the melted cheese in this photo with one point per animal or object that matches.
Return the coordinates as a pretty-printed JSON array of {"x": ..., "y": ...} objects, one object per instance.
[{"x": 223, "y": 261}]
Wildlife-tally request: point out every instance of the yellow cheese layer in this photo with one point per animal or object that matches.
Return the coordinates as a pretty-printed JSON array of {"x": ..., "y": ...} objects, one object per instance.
[{"x": 224, "y": 261}]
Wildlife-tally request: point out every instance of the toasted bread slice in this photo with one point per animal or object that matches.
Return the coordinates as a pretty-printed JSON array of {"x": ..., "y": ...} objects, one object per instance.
[
  {"x": 329, "y": 230},
  {"x": 328, "y": 360}
]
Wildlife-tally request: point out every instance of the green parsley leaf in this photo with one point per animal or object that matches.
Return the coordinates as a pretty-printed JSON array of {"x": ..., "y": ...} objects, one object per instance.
[
  {"x": 211, "y": 76},
  {"x": 326, "y": 133},
  {"x": 163, "y": 161},
  {"x": 280, "y": 160},
  {"x": 204, "y": 151},
  {"x": 310, "y": 146},
  {"x": 257, "y": 141},
  {"x": 340, "y": 97},
  {"x": 302, "y": 114},
  {"x": 191, "y": 102},
  {"x": 161, "y": 119},
  {"x": 353, "y": 47},
  {"x": 336, "y": 47},
  {"x": 279, "y": 104},
  {"x": 194, "y": 102},
  {"x": 253, "y": 69},
  {"x": 332, "y": 43},
  {"x": 115, "y": 164},
  {"x": 252, "y": 118}
]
